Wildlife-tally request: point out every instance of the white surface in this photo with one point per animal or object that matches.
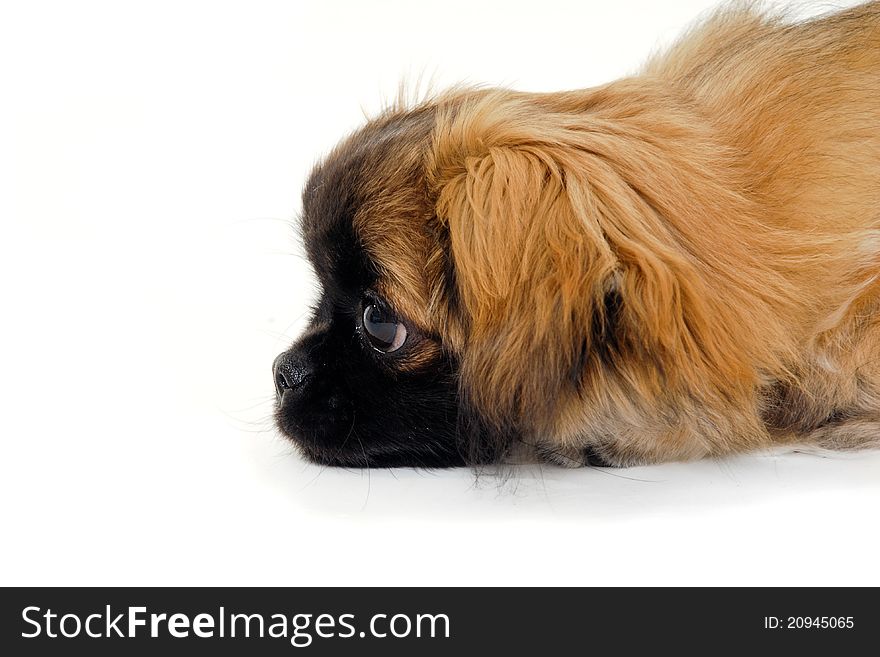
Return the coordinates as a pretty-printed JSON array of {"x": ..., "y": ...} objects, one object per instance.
[{"x": 152, "y": 156}]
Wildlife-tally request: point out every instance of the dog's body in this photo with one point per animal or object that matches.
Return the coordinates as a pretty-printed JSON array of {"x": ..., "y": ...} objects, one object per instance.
[{"x": 678, "y": 264}]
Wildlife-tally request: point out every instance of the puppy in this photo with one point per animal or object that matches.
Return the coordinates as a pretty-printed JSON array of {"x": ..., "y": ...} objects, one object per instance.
[{"x": 675, "y": 265}]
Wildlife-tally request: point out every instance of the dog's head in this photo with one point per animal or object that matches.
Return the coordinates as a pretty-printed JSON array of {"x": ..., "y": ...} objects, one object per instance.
[{"x": 500, "y": 268}]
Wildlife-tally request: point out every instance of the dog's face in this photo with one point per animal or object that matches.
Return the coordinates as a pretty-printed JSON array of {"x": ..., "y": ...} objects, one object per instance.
[
  {"x": 371, "y": 383},
  {"x": 495, "y": 272}
]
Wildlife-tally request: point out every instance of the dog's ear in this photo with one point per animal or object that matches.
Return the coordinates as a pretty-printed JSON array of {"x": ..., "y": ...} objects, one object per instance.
[
  {"x": 566, "y": 267},
  {"x": 529, "y": 276}
]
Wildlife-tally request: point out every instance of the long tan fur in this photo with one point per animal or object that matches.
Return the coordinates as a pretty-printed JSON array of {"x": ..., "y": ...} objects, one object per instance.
[{"x": 677, "y": 264}]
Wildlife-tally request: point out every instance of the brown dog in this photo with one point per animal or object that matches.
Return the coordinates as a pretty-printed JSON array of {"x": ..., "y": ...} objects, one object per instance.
[{"x": 678, "y": 264}]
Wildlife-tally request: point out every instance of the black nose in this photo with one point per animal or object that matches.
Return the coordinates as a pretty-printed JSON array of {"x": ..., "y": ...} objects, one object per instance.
[{"x": 291, "y": 370}]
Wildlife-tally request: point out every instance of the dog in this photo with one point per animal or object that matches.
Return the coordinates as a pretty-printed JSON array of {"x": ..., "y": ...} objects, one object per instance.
[{"x": 680, "y": 264}]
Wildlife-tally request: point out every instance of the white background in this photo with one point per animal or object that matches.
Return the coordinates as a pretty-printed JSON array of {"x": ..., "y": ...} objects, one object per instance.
[{"x": 151, "y": 158}]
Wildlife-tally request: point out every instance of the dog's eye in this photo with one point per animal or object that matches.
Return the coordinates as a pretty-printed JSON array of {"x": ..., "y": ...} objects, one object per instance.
[{"x": 385, "y": 332}]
